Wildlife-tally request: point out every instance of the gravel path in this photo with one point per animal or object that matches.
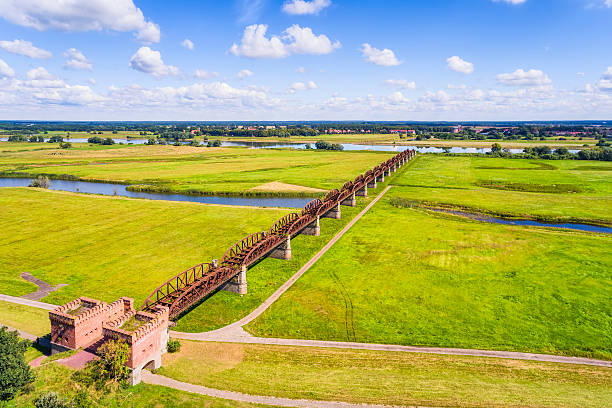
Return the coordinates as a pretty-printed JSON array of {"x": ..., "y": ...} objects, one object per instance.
[
  {"x": 44, "y": 288},
  {"x": 27, "y": 302},
  {"x": 154, "y": 379}
]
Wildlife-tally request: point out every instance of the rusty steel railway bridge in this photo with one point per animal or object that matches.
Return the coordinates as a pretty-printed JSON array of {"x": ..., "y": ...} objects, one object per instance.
[{"x": 189, "y": 287}]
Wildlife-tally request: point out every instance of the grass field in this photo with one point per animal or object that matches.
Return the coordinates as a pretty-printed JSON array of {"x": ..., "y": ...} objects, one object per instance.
[
  {"x": 29, "y": 319},
  {"x": 391, "y": 378},
  {"x": 105, "y": 247},
  {"x": 560, "y": 190},
  {"x": 198, "y": 170},
  {"x": 414, "y": 277},
  {"x": 58, "y": 379}
]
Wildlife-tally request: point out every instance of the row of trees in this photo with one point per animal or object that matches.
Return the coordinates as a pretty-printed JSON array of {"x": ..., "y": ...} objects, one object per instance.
[{"x": 545, "y": 152}]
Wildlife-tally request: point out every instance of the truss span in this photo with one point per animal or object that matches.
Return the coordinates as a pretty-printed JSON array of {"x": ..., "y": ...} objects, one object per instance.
[{"x": 189, "y": 287}]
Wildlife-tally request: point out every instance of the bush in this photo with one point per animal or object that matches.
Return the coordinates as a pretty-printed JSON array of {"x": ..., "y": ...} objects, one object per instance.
[
  {"x": 94, "y": 140},
  {"x": 151, "y": 141},
  {"x": 111, "y": 364},
  {"x": 15, "y": 373},
  {"x": 40, "y": 182},
  {"x": 51, "y": 400},
  {"x": 323, "y": 145},
  {"x": 65, "y": 145},
  {"x": 55, "y": 139},
  {"x": 108, "y": 141},
  {"x": 173, "y": 346}
]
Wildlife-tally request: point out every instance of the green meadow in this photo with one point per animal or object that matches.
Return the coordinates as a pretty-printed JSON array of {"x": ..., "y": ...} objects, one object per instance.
[
  {"x": 389, "y": 378},
  {"x": 106, "y": 247},
  {"x": 406, "y": 275},
  {"x": 198, "y": 170},
  {"x": 549, "y": 190}
]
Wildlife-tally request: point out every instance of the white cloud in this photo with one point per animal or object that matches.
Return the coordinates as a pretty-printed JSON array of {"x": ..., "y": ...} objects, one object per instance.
[
  {"x": 245, "y": 73},
  {"x": 149, "y": 61},
  {"x": 580, "y": 74},
  {"x": 515, "y": 2},
  {"x": 5, "y": 70},
  {"x": 301, "y": 70},
  {"x": 605, "y": 83},
  {"x": 608, "y": 3},
  {"x": 300, "y": 7},
  {"x": 297, "y": 40},
  {"x": 385, "y": 58},
  {"x": 39, "y": 73},
  {"x": 80, "y": 15},
  {"x": 608, "y": 73},
  {"x": 201, "y": 74},
  {"x": 398, "y": 98},
  {"x": 533, "y": 77},
  {"x": 459, "y": 65},
  {"x": 187, "y": 43},
  {"x": 401, "y": 83},
  {"x": 76, "y": 60},
  {"x": 25, "y": 48},
  {"x": 91, "y": 81},
  {"x": 302, "y": 86}
]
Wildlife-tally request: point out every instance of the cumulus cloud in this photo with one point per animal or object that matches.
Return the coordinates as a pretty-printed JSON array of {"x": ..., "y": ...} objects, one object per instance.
[
  {"x": 202, "y": 74},
  {"x": 608, "y": 73},
  {"x": 297, "y": 40},
  {"x": 80, "y": 15},
  {"x": 605, "y": 83},
  {"x": 533, "y": 77},
  {"x": 302, "y": 86},
  {"x": 25, "y": 48},
  {"x": 301, "y": 70},
  {"x": 187, "y": 43},
  {"x": 384, "y": 58},
  {"x": 459, "y": 65},
  {"x": 5, "y": 70},
  {"x": 150, "y": 62},
  {"x": 245, "y": 73},
  {"x": 401, "y": 83},
  {"x": 300, "y": 7},
  {"x": 76, "y": 60}
]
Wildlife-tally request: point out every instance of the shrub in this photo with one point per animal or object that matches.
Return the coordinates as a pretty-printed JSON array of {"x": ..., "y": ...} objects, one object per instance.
[
  {"x": 111, "y": 364},
  {"x": 323, "y": 145},
  {"x": 55, "y": 139},
  {"x": 15, "y": 373},
  {"x": 108, "y": 141},
  {"x": 65, "y": 145},
  {"x": 173, "y": 346},
  {"x": 51, "y": 400},
  {"x": 40, "y": 182},
  {"x": 151, "y": 141},
  {"x": 94, "y": 140}
]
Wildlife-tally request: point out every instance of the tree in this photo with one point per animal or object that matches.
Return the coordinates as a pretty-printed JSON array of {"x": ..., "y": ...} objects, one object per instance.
[
  {"x": 111, "y": 366},
  {"x": 496, "y": 148},
  {"x": 15, "y": 373}
]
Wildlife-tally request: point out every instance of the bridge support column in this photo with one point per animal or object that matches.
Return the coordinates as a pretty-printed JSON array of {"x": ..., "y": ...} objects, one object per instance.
[
  {"x": 238, "y": 284},
  {"x": 393, "y": 168},
  {"x": 362, "y": 193},
  {"x": 350, "y": 201},
  {"x": 283, "y": 251},
  {"x": 387, "y": 173},
  {"x": 371, "y": 184},
  {"x": 381, "y": 178},
  {"x": 333, "y": 213},
  {"x": 313, "y": 228}
]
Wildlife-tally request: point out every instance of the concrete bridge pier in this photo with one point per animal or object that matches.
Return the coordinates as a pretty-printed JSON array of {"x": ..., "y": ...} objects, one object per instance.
[
  {"x": 362, "y": 193},
  {"x": 393, "y": 168},
  {"x": 350, "y": 201},
  {"x": 238, "y": 284},
  {"x": 371, "y": 184},
  {"x": 381, "y": 178},
  {"x": 313, "y": 228},
  {"x": 283, "y": 251},
  {"x": 387, "y": 173},
  {"x": 333, "y": 213}
]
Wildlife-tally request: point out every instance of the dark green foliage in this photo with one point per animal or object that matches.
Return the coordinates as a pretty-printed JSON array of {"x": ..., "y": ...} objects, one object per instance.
[
  {"x": 110, "y": 366},
  {"x": 15, "y": 373},
  {"x": 55, "y": 139},
  {"x": 323, "y": 145},
  {"x": 173, "y": 346},
  {"x": 65, "y": 145},
  {"x": 52, "y": 400}
]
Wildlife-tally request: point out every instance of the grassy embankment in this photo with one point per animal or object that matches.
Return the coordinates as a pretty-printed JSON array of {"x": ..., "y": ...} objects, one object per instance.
[
  {"x": 29, "y": 319},
  {"x": 184, "y": 169},
  {"x": 56, "y": 378},
  {"x": 391, "y": 378},
  {"x": 105, "y": 247},
  {"x": 410, "y": 276}
]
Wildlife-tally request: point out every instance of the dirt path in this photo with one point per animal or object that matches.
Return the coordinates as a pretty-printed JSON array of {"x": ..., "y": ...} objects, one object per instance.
[
  {"x": 154, "y": 379},
  {"x": 44, "y": 288},
  {"x": 27, "y": 302}
]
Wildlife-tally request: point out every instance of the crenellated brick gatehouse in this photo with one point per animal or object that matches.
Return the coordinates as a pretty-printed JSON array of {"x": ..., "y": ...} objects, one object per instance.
[{"x": 88, "y": 323}]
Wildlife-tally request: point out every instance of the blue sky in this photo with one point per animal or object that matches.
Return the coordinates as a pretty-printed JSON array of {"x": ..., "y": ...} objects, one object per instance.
[{"x": 306, "y": 60}]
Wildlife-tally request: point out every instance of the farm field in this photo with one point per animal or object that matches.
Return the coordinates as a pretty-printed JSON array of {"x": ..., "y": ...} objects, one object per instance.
[
  {"x": 410, "y": 276},
  {"x": 550, "y": 190},
  {"x": 186, "y": 169},
  {"x": 390, "y": 378},
  {"x": 105, "y": 247}
]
